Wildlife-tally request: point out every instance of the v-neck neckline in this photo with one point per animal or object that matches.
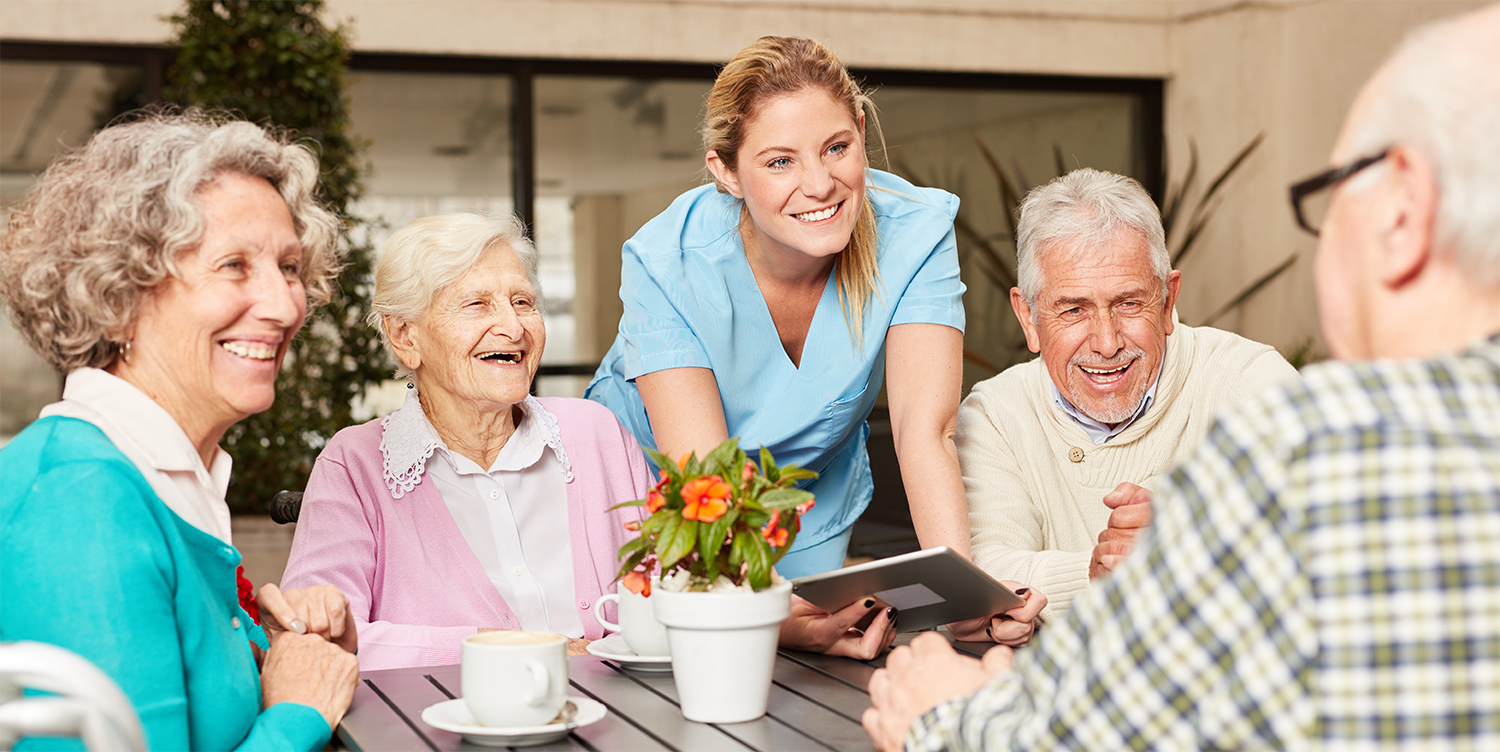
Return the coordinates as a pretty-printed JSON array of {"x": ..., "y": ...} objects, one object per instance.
[{"x": 812, "y": 324}]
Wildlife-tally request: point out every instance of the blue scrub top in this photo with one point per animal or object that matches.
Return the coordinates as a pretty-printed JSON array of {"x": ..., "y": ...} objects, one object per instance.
[{"x": 692, "y": 301}]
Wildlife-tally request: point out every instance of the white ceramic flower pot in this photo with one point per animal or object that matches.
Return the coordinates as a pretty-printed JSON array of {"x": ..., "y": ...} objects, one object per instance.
[{"x": 723, "y": 649}]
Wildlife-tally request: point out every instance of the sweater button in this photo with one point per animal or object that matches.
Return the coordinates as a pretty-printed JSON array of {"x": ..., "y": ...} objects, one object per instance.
[
  {"x": 234, "y": 621},
  {"x": 583, "y": 604},
  {"x": 1075, "y": 454}
]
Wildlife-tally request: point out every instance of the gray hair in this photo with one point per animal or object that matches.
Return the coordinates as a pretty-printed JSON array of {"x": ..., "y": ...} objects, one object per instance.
[
  {"x": 1086, "y": 207},
  {"x": 1440, "y": 95},
  {"x": 106, "y": 224},
  {"x": 431, "y": 253}
]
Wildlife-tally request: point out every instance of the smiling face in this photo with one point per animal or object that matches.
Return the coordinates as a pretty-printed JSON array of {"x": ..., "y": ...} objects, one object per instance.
[
  {"x": 801, "y": 173},
  {"x": 207, "y": 345},
  {"x": 481, "y": 340},
  {"x": 1102, "y": 320}
]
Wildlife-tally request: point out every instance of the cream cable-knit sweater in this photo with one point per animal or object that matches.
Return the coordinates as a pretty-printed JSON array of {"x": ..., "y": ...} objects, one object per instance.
[{"x": 1034, "y": 513}]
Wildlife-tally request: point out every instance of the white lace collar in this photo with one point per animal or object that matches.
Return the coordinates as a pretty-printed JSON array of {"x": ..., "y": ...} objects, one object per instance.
[{"x": 408, "y": 440}]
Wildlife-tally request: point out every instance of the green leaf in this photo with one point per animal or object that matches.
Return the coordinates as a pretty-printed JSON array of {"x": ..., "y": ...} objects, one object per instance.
[
  {"x": 677, "y": 541},
  {"x": 721, "y": 460},
  {"x": 631, "y": 563},
  {"x": 785, "y": 498},
  {"x": 666, "y": 464},
  {"x": 758, "y": 553},
  {"x": 635, "y": 544},
  {"x": 795, "y": 473},
  {"x": 623, "y": 504},
  {"x": 768, "y": 465},
  {"x": 708, "y": 547}
]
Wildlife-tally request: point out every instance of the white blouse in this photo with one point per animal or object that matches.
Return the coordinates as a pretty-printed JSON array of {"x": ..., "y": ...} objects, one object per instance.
[
  {"x": 147, "y": 434},
  {"x": 514, "y": 515}
]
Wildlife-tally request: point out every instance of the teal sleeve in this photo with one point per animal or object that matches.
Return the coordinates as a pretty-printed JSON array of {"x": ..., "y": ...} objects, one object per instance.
[
  {"x": 88, "y": 569},
  {"x": 287, "y": 725}
]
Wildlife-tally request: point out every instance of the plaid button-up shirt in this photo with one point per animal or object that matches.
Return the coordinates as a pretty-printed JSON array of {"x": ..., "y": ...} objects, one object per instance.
[{"x": 1324, "y": 572}]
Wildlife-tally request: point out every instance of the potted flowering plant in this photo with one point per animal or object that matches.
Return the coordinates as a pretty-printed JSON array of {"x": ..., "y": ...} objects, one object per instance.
[{"x": 715, "y": 530}]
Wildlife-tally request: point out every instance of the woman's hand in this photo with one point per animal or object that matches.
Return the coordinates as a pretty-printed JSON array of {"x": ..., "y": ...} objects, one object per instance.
[
  {"x": 813, "y": 629},
  {"x": 309, "y": 670},
  {"x": 320, "y": 610},
  {"x": 1014, "y": 627}
]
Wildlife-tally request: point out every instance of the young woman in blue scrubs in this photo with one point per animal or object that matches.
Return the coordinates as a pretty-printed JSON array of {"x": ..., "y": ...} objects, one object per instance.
[{"x": 770, "y": 304}]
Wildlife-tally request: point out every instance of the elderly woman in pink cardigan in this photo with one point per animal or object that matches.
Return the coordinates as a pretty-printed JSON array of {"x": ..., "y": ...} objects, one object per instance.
[{"x": 475, "y": 505}]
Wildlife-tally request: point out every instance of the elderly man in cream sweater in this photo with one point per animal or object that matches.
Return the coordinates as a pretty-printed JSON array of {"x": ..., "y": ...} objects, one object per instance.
[{"x": 1058, "y": 453}]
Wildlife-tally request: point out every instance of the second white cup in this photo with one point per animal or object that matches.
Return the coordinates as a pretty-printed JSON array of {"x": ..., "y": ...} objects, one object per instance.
[{"x": 643, "y": 633}]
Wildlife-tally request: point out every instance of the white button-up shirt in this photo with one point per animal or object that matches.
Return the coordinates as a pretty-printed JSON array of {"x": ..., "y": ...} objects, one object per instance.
[
  {"x": 513, "y": 515},
  {"x": 150, "y": 437}
]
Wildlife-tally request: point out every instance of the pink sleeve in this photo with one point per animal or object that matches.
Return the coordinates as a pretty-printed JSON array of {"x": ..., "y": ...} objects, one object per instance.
[{"x": 336, "y": 544}]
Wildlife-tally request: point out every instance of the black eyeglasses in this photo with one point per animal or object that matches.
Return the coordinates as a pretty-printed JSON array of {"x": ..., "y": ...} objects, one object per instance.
[{"x": 1310, "y": 197}]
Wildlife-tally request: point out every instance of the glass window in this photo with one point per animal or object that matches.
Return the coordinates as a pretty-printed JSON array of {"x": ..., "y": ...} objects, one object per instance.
[
  {"x": 610, "y": 154},
  {"x": 45, "y": 109}
]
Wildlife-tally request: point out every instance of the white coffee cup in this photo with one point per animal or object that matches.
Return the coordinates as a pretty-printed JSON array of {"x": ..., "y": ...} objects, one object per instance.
[
  {"x": 643, "y": 633},
  {"x": 514, "y": 678}
]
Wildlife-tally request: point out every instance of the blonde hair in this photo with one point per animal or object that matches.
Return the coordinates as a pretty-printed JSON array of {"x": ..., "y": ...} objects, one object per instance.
[
  {"x": 431, "y": 253},
  {"x": 773, "y": 66},
  {"x": 105, "y": 225}
]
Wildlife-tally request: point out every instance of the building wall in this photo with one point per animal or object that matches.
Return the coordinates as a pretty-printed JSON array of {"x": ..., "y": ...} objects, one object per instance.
[{"x": 1285, "y": 68}]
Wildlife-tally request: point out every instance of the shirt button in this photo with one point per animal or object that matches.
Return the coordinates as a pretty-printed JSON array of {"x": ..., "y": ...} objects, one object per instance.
[
  {"x": 234, "y": 621},
  {"x": 1075, "y": 454},
  {"x": 494, "y": 494},
  {"x": 516, "y": 571},
  {"x": 583, "y": 604}
]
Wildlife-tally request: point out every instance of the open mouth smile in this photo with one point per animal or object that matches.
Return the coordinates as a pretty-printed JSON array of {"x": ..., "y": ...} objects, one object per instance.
[
  {"x": 503, "y": 357},
  {"x": 819, "y": 215},
  {"x": 250, "y": 350},
  {"x": 1106, "y": 376}
]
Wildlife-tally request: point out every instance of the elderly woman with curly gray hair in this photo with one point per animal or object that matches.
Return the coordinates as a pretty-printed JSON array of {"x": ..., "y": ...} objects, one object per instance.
[{"x": 165, "y": 267}]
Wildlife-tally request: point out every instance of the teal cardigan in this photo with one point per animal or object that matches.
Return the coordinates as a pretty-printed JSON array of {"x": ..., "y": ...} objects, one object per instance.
[{"x": 92, "y": 560}]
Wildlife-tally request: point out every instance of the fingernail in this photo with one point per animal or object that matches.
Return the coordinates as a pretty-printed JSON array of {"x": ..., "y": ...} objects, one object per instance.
[
  {"x": 988, "y": 633},
  {"x": 298, "y": 627},
  {"x": 869, "y": 602},
  {"x": 1023, "y": 591},
  {"x": 891, "y": 612}
]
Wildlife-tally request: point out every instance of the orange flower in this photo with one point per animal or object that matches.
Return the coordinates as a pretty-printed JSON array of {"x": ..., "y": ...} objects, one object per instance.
[
  {"x": 637, "y": 582},
  {"x": 805, "y": 506},
  {"x": 776, "y": 535},
  {"x": 633, "y": 525},
  {"x": 748, "y": 472},
  {"x": 682, "y": 463},
  {"x": 654, "y": 501},
  {"x": 707, "y": 499}
]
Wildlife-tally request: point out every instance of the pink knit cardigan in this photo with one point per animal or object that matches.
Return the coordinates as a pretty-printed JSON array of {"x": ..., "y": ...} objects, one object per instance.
[{"x": 413, "y": 583}]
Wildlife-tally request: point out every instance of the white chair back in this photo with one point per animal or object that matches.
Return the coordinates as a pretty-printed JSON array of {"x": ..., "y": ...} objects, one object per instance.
[{"x": 85, "y": 703}]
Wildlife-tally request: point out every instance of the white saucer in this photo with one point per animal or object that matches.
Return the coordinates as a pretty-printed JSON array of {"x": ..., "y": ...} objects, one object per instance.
[
  {"x": 614, "y": 648},
  {"x": 454, "y": 715}
]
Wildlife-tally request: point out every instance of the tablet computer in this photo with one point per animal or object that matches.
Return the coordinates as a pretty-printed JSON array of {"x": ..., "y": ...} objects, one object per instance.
[{"x": 929, "y": 587}]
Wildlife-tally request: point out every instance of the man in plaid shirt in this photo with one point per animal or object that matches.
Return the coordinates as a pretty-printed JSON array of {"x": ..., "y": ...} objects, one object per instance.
[{"x": 1324, "y": 571}]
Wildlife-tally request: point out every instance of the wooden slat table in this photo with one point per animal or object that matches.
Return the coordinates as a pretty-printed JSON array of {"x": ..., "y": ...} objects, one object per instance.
[{"x": 816, "y": 703}]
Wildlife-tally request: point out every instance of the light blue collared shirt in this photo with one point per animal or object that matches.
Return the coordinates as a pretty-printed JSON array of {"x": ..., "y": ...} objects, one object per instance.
[{"x": 1101, "y": 432}]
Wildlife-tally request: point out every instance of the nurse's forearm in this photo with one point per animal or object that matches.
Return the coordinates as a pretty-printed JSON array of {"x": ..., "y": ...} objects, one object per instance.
[
  {"x": 935, "y": 491},
  {"x": 685, "y": 410},
  {"x": 924, "y": 375}
]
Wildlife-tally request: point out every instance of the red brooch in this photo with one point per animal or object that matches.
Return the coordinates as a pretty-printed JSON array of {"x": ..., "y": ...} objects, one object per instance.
[{"x": 247, "y": 594}]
